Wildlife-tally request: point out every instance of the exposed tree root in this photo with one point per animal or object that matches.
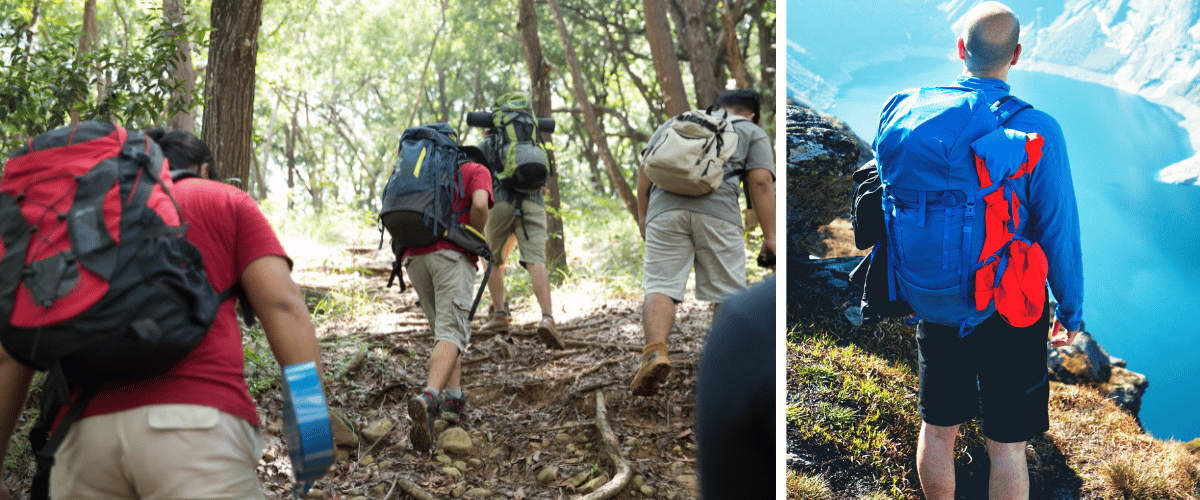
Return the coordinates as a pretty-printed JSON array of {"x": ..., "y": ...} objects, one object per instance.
[{"x": 608, "y": 442}]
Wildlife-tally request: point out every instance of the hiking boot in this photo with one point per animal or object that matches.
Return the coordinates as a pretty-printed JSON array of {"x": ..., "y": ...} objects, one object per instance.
[
  {"x": 498, "y": 323},
  {"x": 655, "y": 368},
  {"x": 422, "y": 408},
  {"x": 549, "y": 334},
  {"x": 452, "y": 409}
]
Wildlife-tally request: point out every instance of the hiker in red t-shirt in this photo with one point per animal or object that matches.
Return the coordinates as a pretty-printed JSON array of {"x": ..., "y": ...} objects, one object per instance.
[
  {"x": 193, "y": 431},
  {"x": 443, "y": 274}
]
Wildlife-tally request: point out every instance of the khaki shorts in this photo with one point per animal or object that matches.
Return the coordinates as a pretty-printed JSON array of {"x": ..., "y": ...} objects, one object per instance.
[
  {"x": 444, "y": 280},
  {"x": 158, "y": 452},
  {"x": 677, "y": 240},
  {"x": 503, "y": 224}
]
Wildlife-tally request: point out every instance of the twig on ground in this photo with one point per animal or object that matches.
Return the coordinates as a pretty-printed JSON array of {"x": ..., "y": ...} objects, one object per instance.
[
  {"x": 608, "y": 442},
  {"x": 553, "y": 429},
  {"x": 598, "y": 367},
  {"x": 571, "y": 352},
  {"x": 592, "y": 387},
  {"x": 390, "y": 490},
  {"x": 477, "y": 360}
]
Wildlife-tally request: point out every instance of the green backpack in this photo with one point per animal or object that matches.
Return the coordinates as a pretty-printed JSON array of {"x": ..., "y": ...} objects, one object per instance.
[{"x": 520, "y": 156}]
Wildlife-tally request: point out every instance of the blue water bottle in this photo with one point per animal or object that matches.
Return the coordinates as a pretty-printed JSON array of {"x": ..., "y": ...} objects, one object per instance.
[{"x": 306, "y": 425}]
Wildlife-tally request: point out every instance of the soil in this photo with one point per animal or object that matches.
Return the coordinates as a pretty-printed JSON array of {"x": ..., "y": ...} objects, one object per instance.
[{"x": 525, "y": 415}]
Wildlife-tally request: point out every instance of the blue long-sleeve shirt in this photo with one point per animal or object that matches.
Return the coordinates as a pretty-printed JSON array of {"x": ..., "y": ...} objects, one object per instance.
[{"x": 1049, "y": 195}]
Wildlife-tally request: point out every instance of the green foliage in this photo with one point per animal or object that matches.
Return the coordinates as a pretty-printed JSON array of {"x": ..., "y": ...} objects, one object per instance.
[
  {"x": 46, "y": 78},
  {"x": 805, "y": 487},
  {"x": 262, "y": 372},
  {"x": 845, "y": 399}
]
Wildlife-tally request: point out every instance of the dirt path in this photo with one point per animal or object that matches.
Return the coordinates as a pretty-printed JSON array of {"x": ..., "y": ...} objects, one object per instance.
[{"x": 531, "y": 418}]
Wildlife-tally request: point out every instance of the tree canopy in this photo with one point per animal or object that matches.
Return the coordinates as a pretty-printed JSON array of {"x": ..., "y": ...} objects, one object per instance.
[{"x": 336, "y": 82}]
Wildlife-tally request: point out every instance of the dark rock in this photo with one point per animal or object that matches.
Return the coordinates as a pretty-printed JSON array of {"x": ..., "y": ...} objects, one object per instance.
[
  {"x": 822, "y": 154},
  {"x": 1085, "y": 362},
  {"x": 822, "y": 289}
]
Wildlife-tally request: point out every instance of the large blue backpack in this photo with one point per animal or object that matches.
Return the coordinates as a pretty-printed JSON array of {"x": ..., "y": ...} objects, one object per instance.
[
  {"x": 418, "y": 200},
  {"x": 928, "y": 143}
]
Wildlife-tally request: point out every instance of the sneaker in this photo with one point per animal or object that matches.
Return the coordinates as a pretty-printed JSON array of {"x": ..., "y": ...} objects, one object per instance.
[
  {"x": 498, "y": 323},
  {"x": 452, "y": 409},
  {"x": 655, "y": 368},
  {"x": 422, "y": 408},
  {"x": 549, "y": 334}
]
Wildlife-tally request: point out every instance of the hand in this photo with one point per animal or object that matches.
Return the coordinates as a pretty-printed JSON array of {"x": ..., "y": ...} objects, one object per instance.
[{"x": 1063, "y": 338}]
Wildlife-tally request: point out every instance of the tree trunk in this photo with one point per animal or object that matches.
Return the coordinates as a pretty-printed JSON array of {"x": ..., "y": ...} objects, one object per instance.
[
  {"x": 87, "y": 43},
  {"x": 766, "y": 47},
  {"x": 539, "y": 77},
  {"x": 733, "y": 50},
  {"x": 229, "y": 86},
  {"x": 666, "y": 64},
  {"x": 184, "y": 118},
  {"x": 695, "y": 14},
  {"x": 589, "y": 115}
]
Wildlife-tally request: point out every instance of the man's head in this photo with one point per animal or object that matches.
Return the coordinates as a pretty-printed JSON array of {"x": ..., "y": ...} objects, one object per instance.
[
  {"x": 185, "y": 151},
  {"x": 743, "y": 102},
  {"x": 990, "y": 40}
]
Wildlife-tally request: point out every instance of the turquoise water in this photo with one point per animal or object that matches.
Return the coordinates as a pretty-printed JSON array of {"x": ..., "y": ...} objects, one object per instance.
[{"x": 1141, "y": 257}]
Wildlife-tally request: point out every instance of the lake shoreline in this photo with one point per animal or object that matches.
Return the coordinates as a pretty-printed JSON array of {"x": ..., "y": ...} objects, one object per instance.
[{"x": 1186, "y": 171}]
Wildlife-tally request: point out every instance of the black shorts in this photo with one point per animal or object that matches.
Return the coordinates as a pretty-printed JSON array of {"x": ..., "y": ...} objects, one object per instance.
[{"x": 997, "y": 369}]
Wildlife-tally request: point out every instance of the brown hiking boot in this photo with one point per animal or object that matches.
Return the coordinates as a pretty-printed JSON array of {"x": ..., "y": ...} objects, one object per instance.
[
  {"x": 549, "y": 334},
  {"x": 498, "y": 323},
  {"x": 655, "y": 368}
]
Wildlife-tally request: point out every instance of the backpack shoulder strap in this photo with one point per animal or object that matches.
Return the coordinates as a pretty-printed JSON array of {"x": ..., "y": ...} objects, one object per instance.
[{"x": 1007, "y": 107}]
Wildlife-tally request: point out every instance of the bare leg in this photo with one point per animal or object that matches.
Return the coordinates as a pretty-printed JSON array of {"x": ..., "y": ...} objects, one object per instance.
[
  {"x": 540, "y": 280},
  {"x": 1009, "y": 475},
  {"x": 658, "y": 316},
  {"x": 445, "y": 367},
  {"x": 935, "y": 461},
  {"x": 496, "y": 286}
]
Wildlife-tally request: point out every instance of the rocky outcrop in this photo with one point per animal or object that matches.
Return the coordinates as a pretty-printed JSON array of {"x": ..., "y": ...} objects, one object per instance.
[
  {"x": 822, "y": 289},
  {"x": 822, "y": 154},
  {"x": 1084, "y": 361}
]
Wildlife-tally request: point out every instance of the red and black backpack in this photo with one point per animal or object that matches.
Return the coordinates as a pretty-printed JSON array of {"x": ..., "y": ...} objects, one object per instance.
[{"x": 97, "y": 281}]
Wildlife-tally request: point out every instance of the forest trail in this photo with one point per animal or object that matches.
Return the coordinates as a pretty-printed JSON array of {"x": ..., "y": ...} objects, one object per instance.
[{"x": 531, "y": 418}]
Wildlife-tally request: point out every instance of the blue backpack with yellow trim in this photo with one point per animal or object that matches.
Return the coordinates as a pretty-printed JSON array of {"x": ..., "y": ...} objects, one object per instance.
[{"x": 418, "y": 200}]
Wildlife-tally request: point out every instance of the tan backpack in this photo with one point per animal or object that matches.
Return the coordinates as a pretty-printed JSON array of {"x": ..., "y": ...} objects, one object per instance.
[{"x": 689, "y": 155}]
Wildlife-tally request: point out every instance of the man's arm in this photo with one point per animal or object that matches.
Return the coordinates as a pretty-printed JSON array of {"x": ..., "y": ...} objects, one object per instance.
[
  {"x": 643, "y": 199},
  {"x": 14, "y": 387},
  {"x": 479, "y": 209},
  {"x": 278, "y": 303},
  {"x": 762, "y": 195}
]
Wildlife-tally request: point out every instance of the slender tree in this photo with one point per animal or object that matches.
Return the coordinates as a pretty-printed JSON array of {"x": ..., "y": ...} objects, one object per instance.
[
  {"x": 175, "y": 17},
  {"x": 589, "y": 115},
  {"x": 692, "y": 17},
  {"x": 539, "y": 77},
  {"x": 88, "y": 40},
  {"x": 229, "y": 86},
  {"x": 666, "y": 64}
]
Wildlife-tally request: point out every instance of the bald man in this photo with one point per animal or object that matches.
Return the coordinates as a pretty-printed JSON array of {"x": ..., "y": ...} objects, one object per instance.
[{"x": 999, "y": 370}]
